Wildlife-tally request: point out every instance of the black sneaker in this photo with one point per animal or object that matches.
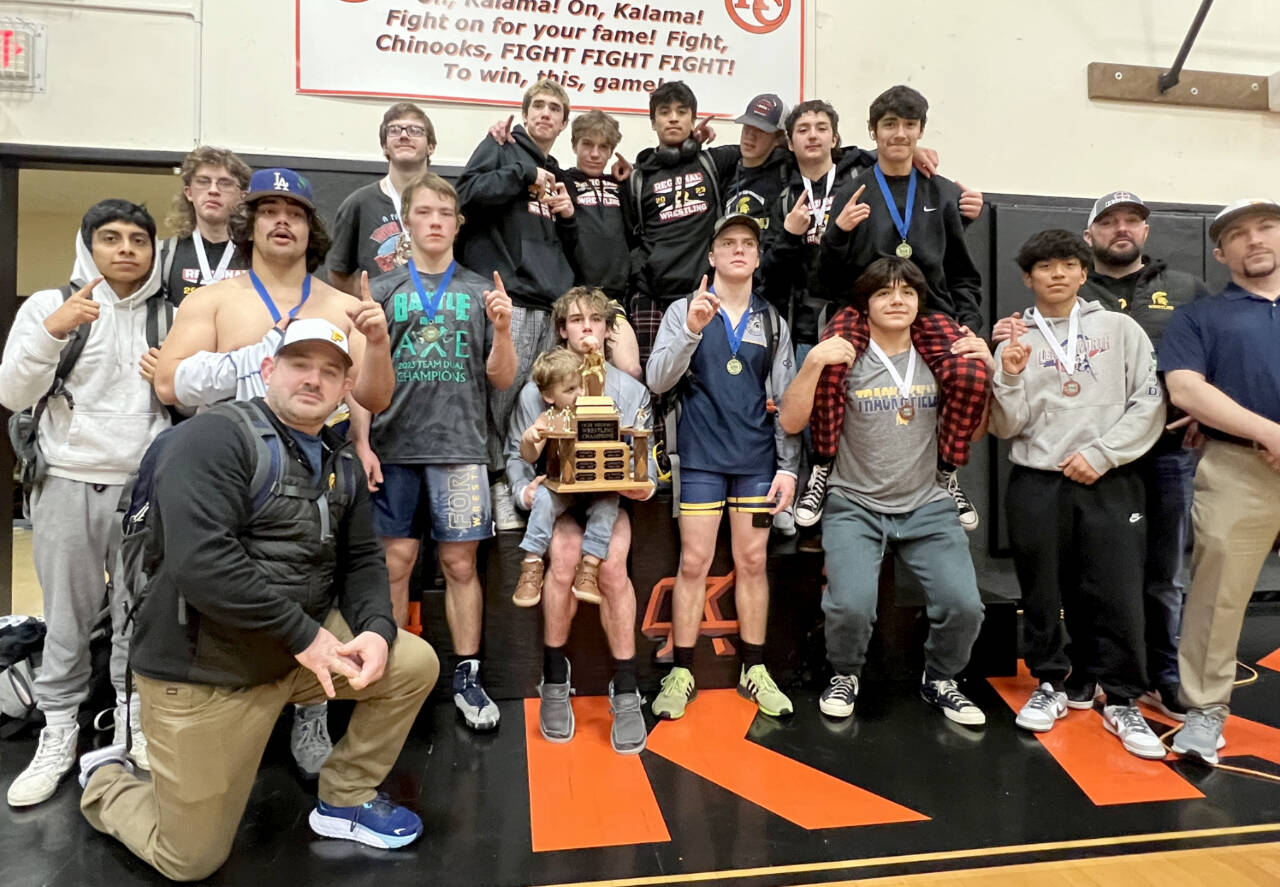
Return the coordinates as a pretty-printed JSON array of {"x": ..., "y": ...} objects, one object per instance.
[
  {"x": 838, "y": 699},
  {"x": 954, "y": 704},
  {"x": 1165, "y": 699},
  {"x": 1082, "y": 698},
  {"x": 809, "y": 506},
  {"x": 964, "y": 508}
]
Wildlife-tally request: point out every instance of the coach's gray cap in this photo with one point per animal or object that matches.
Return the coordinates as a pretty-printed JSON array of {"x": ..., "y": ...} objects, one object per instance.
[{"x": 1114, "y": 199}]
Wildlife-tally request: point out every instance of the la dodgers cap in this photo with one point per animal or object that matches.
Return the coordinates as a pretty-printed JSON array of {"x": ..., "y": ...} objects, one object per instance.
[
  {"x": 314, "y": 329},
  {"x": 765, "y": 111},
  {"x": 280, "y": 182},
  {"x": 1233, "y": 211},
  {"x": 737, "y": 219},
  {"x": 1114, "y": 199}
]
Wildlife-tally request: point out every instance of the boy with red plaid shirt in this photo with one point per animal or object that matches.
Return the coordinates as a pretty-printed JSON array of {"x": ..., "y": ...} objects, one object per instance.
[{"x": 875, "y": 405}]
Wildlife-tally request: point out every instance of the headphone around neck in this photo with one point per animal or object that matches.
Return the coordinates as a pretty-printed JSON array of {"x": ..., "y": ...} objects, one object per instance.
[{"x": 667, "y": 155}]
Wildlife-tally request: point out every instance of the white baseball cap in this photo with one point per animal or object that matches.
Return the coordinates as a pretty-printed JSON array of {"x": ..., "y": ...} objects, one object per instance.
[
  {"x": 1233, "y": 211},
  {"x": 315, "y": 329}
]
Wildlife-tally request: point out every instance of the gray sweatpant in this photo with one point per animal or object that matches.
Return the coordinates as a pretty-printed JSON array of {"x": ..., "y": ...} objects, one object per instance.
[{"x": 75, "y": 540}]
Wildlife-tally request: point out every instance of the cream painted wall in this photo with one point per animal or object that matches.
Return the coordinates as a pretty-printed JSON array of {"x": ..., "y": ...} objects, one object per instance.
[{"x": 1006, "y": 81}]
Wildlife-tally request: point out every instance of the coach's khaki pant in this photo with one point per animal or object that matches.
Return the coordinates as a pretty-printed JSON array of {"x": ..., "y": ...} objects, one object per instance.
[
  {"x": 1236, "y": 515},
  {"x": 205, "y": 744}
]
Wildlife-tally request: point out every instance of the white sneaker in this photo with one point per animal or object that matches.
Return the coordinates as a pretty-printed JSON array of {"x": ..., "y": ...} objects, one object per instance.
[
  {"x": 1044, "y": 709},
  {"x": 138, "y": 753},
  {"x": 55, "y": 757},
  {"x": 92, "y": 760},
  {"x": 1127, "y": 723},
  {"x": 785, "y": 523},
  {"x": 505, "y": 516}
]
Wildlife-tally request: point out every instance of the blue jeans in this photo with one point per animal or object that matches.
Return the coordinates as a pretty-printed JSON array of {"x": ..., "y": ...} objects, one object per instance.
[
  {"x": 602, "y": 512},
  {"x": 931, "y": 542}
]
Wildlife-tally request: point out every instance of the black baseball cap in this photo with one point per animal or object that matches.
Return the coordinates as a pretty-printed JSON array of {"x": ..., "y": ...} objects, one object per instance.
[
  {"x": 765, "y": 111},
  {"x": 742, "y": 219}
]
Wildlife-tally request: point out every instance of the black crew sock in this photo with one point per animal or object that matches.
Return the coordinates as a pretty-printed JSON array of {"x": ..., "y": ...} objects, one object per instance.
[
  {"x": 752, "y": 655},
  {"x": 684, "y": 657},
  {"x": 555, "y": 667},
  {"x": 945, "y": 467},
  {"x": 624, "y": 676}
]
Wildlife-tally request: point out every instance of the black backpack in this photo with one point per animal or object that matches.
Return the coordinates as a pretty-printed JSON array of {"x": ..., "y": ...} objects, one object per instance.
[
  {"x": 669, "y": 404},
  {"x": 24, "y": 425},
  {"x": 141, "y": 550}
]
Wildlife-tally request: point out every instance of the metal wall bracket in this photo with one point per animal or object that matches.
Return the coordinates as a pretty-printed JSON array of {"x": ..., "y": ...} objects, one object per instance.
[{"x": 1205, "y": 89}]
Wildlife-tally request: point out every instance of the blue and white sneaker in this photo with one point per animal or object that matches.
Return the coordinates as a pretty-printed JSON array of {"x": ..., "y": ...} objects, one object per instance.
[
  {"x": 376, "y": 823},
  {"x": 478, "y": 710}
]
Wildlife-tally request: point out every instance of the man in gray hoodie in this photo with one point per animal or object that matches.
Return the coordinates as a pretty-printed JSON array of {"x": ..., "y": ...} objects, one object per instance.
[
  {"x": 1079, "y": 400},
  {"x": 92, "y": 435}
]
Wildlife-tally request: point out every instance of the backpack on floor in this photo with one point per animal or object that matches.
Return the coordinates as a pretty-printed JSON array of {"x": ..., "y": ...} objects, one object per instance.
[{"x": 21, "y": 642}]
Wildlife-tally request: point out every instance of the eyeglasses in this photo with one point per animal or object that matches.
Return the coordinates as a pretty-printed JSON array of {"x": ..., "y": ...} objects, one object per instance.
[
  {"x": 410, "y": 129},
  {"x": 204, "y": 183}
]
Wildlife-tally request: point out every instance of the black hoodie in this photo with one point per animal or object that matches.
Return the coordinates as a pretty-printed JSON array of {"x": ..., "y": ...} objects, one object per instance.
[
  {"x": 507, "y": 229},
  {"x": 789, "y": 266},
  {"x": 676, "y": 213},
  {"x": 936, "y": 238},
  {"x": 602, "y": 208}
]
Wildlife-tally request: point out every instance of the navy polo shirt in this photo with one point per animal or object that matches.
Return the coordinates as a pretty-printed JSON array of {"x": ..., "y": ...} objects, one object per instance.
[{"x": 1233, "y": 340}]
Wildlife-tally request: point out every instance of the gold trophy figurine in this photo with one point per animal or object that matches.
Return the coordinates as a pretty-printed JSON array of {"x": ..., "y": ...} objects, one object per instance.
[{"x": 589, "y": 454}]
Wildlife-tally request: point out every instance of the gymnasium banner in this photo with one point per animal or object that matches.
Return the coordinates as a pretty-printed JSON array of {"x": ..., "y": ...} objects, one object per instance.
[{"x": 607, "y": 54}]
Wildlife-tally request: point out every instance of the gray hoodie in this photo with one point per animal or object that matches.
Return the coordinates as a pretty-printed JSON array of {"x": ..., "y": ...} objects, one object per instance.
[
  {"x": 116, "y": 414},
  {"x": 1115, "y": 418}
]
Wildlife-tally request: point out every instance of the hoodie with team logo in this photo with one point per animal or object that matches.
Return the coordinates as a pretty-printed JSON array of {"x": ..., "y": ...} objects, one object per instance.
[
  {"x": 1115, "y": 415},
  {"x": 508, "y": 229},
  {"x": 676, "y": 211}
]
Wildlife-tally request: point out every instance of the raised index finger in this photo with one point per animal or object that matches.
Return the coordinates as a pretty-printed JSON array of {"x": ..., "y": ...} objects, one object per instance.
[
  {"x": 497, "y": 283},
  {"x": 86, "y": 292},
  {"x": 857, "y": 194},
  {"x": 365, "y": 294}
]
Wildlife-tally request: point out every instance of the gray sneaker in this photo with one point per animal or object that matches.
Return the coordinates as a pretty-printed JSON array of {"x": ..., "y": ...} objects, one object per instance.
[
  {"x": 1201, "y": 736},
  {"x": 555, "y": 714},
  {"x": 629, "y": 732},
  {"x": 505, "y": 516},
  {"x": 309, "y": 739},
  {"x": 478, "y": 710}
]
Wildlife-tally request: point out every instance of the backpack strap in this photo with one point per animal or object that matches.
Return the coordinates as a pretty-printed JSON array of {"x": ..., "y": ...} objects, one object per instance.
[
  {"x": 637, "y": 190},
  {"x": 159, "y": 319},
  {"x": 168, "y": 248},
  {"x": 709, "y": 168}
]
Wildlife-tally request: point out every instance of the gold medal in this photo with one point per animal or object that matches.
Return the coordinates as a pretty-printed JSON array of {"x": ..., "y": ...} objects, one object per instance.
[
  {"x": 906, "y": 412},
  {"x": 431, "y": 332},
  {"x": 903, "y": 251},
  {"x": 734, "y": 366},
  {"x": 1071, "y": 388}
]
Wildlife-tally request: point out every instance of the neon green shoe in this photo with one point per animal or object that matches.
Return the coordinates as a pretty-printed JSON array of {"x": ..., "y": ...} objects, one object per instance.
[
  {"x": 757, "y": 685},
  {"x": 677, "y": 691}
]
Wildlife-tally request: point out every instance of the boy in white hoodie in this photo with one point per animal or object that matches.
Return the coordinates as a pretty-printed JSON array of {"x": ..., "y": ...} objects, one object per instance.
[
  {"x": 92, "y": 438},
  {"x": 1078, "y": 399}
]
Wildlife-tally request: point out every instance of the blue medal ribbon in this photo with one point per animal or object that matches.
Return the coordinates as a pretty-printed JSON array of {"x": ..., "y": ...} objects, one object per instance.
[
  {"x": 735, "y": 334},
  {"x": 271, "y": 306},
  {"x": 431, "y": 305},
  {"x": 902, "y": 224}
]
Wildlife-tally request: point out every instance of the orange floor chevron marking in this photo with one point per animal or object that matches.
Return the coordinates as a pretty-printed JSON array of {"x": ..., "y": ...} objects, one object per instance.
[
  {"x": 584, "y": 794},
  {"x": 710, "y": 740},
  {"x": 1094, "y": 759},
  {"x": 1271, "y": 661}
]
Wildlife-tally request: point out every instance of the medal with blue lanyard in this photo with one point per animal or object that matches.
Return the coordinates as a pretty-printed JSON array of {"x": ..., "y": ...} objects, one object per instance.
[
  {"x": 903, "y": 224},
  {"x": 735, "y": 334},
  {"x": 271, "y": 306},
  {"x": 430, "y": 306}
]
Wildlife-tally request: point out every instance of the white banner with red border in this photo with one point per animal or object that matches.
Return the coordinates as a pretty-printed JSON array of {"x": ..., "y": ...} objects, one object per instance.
[{"x": 607, "y": 54}]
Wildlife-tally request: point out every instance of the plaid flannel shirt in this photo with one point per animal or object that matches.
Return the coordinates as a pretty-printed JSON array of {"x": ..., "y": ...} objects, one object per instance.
[{"x": 963, "y": 384}]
